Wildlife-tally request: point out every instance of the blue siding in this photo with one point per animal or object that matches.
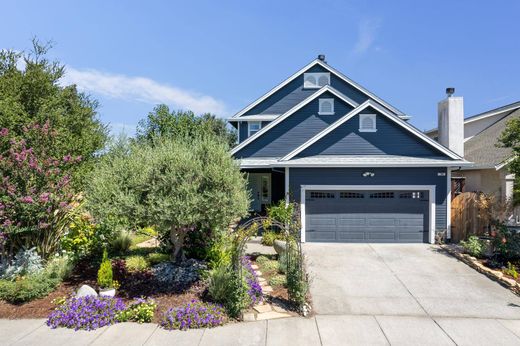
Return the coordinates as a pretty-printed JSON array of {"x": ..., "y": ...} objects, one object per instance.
[
  {"x": 295, "y": 130},
  {"x": 383, "y": 176},
  {"x": 390, "y": 139},
  {"x": 243, "y": 129}
]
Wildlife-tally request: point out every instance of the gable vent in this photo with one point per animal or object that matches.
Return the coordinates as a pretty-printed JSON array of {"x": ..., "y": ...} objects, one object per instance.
[{"x": 316, "y": 80}]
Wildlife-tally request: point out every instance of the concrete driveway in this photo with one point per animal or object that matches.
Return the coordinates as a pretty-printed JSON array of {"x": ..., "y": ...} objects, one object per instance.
[{"x": 402, "y": 280}]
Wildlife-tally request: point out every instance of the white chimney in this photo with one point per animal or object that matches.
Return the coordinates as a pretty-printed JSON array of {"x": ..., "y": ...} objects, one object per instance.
[{"x": 451, "y": 122}]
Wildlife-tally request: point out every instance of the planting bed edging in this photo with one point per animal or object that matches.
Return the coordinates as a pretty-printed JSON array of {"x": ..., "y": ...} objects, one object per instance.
[{"x": 471, "y": 261}]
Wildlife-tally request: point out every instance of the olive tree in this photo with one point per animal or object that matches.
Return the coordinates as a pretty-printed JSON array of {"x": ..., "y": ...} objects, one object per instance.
[{"x": 177, "y": 185}]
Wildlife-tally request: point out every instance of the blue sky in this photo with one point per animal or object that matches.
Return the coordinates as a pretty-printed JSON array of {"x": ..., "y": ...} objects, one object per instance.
[{"x": 218, "y": 56}]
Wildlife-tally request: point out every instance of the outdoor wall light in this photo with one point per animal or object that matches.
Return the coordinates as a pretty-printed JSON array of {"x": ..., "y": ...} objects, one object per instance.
[{"x": 369, "y": 174}]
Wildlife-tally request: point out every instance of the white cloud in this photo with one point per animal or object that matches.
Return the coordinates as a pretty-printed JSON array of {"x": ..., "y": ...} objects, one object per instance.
[
  {"x": 141, "y": 89},
  {"x": 367, "y": 30}
]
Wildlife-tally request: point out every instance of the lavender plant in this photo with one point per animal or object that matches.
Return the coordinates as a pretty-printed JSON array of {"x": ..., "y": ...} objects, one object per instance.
[
  {"x": 254, "y": 289},
  {"x": 195, "y": 314},
  {"x": 86, "y": 313}
]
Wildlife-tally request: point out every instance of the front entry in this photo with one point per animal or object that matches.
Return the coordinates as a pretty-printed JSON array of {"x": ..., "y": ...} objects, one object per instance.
[{"x": 260, "y": 185}]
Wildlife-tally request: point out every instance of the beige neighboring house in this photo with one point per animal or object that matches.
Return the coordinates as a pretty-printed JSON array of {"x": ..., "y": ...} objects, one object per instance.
[{"x": 477, "y": 143}]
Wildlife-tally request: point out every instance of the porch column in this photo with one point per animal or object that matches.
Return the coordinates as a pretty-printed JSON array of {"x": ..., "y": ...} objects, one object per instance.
[{"x": 287, "y": 186}]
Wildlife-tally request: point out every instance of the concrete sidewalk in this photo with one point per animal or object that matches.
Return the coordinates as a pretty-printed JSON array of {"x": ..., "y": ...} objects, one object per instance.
[{"x": 319, "y": 330}]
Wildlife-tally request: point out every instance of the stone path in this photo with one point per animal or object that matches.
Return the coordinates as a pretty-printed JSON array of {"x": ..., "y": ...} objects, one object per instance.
[
  {"x": 264, "y": 310},
  {"x": 319, "y": 330}
]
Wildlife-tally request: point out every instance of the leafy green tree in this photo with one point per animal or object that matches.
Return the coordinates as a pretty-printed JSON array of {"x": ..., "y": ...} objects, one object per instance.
[
  {"x": 177, "y": 186},
  {"x": 31, "y": 93},
  {"x": 510, "y": 138},
  {"x": 162, "y": 122}
]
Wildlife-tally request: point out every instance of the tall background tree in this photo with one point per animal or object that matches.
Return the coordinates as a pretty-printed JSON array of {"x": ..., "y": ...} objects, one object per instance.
[
  {"x": 510, "y": 138},
  {"x": 162, "y": 122},
  {"x": 31, "y": 93}
]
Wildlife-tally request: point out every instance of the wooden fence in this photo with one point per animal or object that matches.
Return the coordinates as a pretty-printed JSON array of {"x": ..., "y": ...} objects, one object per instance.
[{"x": 467, "y": 218}]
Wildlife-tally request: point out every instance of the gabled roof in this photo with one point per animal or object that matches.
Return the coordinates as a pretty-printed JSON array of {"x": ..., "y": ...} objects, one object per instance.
[
  {"x": 382, "y": 110},
  {"x": 331, "y": 70},
  {"x": 284, "y": 116},
  {"x": 496, "y": 111},
  {"x": 482, "y": 148}
]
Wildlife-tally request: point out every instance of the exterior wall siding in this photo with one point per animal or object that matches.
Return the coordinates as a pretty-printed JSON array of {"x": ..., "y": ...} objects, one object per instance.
[
  {"x": 295, "y": 130},
  {"x": 242, "y": 129},
  {"x": 383, "y": 176},
  {"x": 390, "y": 139}
]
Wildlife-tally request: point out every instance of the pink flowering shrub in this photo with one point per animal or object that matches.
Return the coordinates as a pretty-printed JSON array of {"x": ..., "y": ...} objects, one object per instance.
[{"x": 35, "y": 197}]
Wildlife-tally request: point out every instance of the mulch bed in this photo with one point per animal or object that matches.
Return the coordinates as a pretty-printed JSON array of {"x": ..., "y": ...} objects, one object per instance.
[{"x": 134, "y": 286}]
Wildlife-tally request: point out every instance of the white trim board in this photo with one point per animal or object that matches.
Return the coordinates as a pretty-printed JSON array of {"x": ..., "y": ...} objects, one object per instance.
[
  {"x": 291, "y": 111},
  {"x": 431, "y": 197},
  {"x": 382, "y": 110},
  {"x": 330, "y": 69}
]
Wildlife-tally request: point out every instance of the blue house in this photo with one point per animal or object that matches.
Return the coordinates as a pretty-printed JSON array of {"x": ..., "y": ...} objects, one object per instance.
[{"x": 358, "y": 169}]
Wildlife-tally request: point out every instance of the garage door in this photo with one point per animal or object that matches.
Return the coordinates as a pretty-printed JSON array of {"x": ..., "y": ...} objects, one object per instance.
[{"x": 367, "y": 216}]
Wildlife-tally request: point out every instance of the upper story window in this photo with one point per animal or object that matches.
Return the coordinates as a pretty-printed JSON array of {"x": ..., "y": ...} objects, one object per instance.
[
  {"x": 253, "y": 127},
  {"x": 326, "y": 107},
  {"x": 316, "y": 80},
  {"x": 367, "y": 123}
]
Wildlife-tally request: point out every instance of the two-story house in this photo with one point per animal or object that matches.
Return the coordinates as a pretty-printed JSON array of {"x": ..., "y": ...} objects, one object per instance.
[{"x": 358, "y": 169}]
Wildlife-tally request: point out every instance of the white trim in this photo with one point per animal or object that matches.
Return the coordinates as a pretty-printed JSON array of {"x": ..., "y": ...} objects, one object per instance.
[
  {"x": 249, "y": 123},
  {"x": 256, "y": 117},
  {"x": 323, "y": 100},
  {"x": 353, "y": 165},
  {"x": 448, "y": 205},
  {"x": 287, "y": 186},
  {"x": 383, "y": 111},
  {"x": 292, "y": 111},
  {"x": 431, "y": 197},
  {"x": 330, "y": 69},
  {"x": 504, "y": 163}
]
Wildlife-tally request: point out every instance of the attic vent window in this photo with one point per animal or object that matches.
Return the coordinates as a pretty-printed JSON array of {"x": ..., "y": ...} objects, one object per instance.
[
  {"x": 326, "y": 107},
  {"x": 316, "y": 80},
  {"x": 367, "y": 123}
]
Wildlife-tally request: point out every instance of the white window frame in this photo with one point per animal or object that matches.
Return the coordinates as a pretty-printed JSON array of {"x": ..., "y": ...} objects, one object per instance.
[
  {"x": 321, "y": 101},
  {"x": 362, "y": 117},
  {"x": 249, "y": 129},
  {"x": 317, "y": 76}
]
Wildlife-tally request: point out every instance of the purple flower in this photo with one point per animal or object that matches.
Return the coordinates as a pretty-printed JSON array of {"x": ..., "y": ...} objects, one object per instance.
[
  {"x": 27, "y": 199},
  {"x": 254, "y": 289},
  {"x": 194, "y": 314},
  {"x": 4, "y": 132}
]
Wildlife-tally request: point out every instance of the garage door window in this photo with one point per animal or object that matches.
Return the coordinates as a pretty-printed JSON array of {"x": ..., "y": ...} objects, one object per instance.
[
  {"x": 322, "y": 195},
  {"x": 382, "y": 195},
  {"x": 408, "y": 195},
  {"x": 351, "y": 195}
]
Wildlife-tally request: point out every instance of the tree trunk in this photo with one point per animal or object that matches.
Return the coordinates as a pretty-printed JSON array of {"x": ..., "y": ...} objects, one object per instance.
[{"x": 177, "y": 236}]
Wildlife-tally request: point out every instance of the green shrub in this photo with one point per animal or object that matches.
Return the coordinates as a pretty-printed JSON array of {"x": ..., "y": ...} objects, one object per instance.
[
  {"x": 278, "y": 280},
  {"x": 121, "y": 242},
  {"x": 105, "y": 275},
  {"x": 156, "y": 258},
  {"x": 262, "y": 259},
  {"x": 82, "y": 234},
  {"x": 28, "y": 288},
  {"x": 59, "y": 267},
  {"x": 269, "y": 266},
  {"x": 473, "y": 246},
  {"x": 136, "y": 263},
  {"x": 281, "y": 212},
  {"x": 282, "y": 263},
  {"x": 140, "y": 310},
  {"x": 511, "y": 271},
  {"x": 268, "y": 237},
  {"x": 226, "y": 288},
  {"x": 507, "y": 243},
  {"x": 219, "y": 254}
]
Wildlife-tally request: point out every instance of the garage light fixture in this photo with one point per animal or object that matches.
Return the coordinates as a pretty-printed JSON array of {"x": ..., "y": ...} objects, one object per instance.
[{"x": 369, "y": 174}]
